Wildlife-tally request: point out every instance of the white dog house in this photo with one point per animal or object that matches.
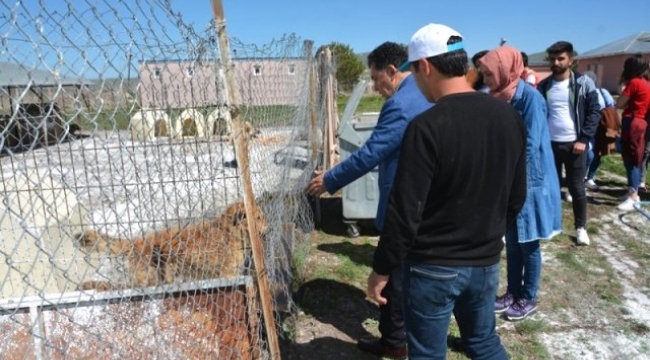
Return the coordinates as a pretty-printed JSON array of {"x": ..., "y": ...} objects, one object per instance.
[
  {"x": 149, "y": 124},
  {"x": 219, "y": 121},
  {"x": 193, "y": 123}
]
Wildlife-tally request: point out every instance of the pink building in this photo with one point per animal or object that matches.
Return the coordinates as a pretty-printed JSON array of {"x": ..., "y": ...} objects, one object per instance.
[
  {"x": 191, "y": 84},
  {"x": 607, "y": 60}
]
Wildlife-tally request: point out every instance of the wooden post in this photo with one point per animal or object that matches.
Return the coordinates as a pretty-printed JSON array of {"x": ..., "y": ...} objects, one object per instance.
[
  {"x": 329, "y": 97},
  {"x": 332, "y": 110},
  {"x": 313, "y": 115},
  {"x": 241, "y": 154}
]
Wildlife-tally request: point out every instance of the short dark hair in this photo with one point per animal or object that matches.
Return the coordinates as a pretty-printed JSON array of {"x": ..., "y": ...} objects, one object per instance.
[
  {"x": 633, "y": 67},
  {"x": 524, "y": 57},
  {"x": 451, "y": 64},
  {"x": 561, "y": 47},
  {"x": 478, "y": 57},
  {"x": 388, "y": 53}
]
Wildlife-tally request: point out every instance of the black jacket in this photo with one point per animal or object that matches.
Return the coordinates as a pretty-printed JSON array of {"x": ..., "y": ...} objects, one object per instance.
[
  {"x": 460, "y": 180},
  {"x": 583, "y": 95}
]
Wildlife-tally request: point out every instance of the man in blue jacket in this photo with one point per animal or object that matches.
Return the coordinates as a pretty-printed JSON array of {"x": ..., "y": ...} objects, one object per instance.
[{"x": 403, "y": 102}]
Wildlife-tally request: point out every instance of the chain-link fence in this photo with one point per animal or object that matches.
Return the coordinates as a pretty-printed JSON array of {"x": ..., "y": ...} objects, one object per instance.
[{"x": 127, "y": 228}]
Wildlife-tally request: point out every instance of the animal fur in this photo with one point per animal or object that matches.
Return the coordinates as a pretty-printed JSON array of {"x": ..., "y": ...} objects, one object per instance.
[
  {"x": 249, "y": 131},
  {"x": 207, "y": 249}
]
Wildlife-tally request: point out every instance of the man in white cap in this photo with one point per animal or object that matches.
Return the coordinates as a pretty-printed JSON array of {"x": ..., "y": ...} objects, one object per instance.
[{"x": 461, "y": 179}]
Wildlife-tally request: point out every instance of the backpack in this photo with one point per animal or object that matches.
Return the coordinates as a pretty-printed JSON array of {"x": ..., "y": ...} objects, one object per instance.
[{"x": 608, "y": 131}]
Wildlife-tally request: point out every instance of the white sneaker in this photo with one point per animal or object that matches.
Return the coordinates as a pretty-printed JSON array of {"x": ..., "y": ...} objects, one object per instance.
[
  {"x": 591, "y": 184},
  {"x": 568, "y": 197},
  {"x": 627, "y": 205},
  {"x": 582, "y": 237}
]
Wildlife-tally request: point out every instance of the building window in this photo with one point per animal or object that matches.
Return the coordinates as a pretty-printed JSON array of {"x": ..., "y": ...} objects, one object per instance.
[
  {"x": 156, "y": 73},
  {"x": 257, "y": 70},
  {"x": 189, "y": 72},
  {"x": 292, "y": 69}
]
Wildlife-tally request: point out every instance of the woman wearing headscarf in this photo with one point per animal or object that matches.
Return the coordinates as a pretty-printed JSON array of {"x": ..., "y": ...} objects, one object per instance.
[
  {"x": 541, "y": 216},
  {"x": 634, "y": 101}
]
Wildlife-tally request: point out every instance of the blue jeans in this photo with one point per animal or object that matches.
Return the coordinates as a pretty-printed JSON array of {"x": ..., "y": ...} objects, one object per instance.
[
  {"x": 593, "y": 161},
  {"x": 646, "y": 157},
  {"x": 524, "y": 264},
  {"x": 633, "y": 170},
  {"x": 432, "y": 293},
  {"x": 633, "y": 175}
]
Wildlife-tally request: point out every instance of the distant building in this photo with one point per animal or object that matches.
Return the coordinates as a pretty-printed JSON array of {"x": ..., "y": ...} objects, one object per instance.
[
  {"x": 539, "y": 64},
  {"x": 607, "y": 60},
  {"x": 191, "y": 84},
  {"x": 20, "y": 84}
]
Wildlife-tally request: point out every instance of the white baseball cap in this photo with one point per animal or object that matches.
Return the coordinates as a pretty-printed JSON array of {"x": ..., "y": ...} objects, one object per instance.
[{"x": 430, "y": 40}]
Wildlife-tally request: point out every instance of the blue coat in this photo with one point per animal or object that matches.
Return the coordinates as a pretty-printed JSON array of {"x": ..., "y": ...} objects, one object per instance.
[
  {"x": 541, "y": 216},
  {"x": 382, "y": 148}
]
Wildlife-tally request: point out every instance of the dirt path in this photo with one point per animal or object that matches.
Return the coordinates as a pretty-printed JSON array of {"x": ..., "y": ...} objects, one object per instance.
[{"x": 611, "y": 339}]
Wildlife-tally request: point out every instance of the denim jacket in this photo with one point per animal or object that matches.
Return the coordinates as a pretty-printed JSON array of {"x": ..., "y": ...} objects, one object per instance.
[
  {"x": 382, "y": 148},
  {"x": 541, "y": 216}
]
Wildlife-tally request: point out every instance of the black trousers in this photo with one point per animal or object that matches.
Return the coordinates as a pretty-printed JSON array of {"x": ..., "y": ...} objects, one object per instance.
[
  {"x": 391, "y": 315},
  {"x": 574, "y": 165}
]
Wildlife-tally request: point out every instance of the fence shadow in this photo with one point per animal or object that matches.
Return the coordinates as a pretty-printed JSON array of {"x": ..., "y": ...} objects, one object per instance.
[
  {"x": 325, "y": 348},
  {"x": 341, "y": 305}
]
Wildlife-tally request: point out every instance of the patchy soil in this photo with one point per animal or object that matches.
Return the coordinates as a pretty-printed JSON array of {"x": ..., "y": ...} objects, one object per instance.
[{"x": 594, "y": 301}]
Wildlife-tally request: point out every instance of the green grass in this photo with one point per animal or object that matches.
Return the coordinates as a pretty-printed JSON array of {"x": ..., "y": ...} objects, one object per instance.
[
  {"x": 613, "y": 164},
  {"x": 269, "y": 115},
  {"x": 350, "y": 271},
  {"x": 530, "y": 326},
  {"x": 525, "y": 348},
  {"x": 119, "y": 119},
  {"x": 110, "y": 119},
  {"x": 368, "y": 103}
]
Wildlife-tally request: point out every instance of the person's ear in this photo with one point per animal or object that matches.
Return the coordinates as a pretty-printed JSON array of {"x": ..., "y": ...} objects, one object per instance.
[
  {"x": 425, "y": 66},
  {"x": 391, "y": 70}
]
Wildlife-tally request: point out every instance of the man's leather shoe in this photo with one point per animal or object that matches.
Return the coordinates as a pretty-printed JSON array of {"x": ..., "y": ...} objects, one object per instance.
[{"x": 374, "y": 346}]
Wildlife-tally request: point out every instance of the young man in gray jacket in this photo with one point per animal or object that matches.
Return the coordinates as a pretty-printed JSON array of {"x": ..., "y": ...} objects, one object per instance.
[{"x": 573, "y": 116}]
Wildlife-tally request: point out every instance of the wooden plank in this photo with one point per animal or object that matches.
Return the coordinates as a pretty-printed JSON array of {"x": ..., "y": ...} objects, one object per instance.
[
  {"x": 242, "y": 156},
  {"x": 313, "y": 116},
  {"x": 253, "y": 321}
]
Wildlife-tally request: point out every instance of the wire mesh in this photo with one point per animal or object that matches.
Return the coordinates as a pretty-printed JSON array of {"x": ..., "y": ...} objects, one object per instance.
[{"x": 122, "y": 218}]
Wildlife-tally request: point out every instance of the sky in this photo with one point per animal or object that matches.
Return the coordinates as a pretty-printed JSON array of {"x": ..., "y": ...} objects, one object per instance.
[
  {"x": 530, "y": 26},
  {"x": 109, "y": 38}
]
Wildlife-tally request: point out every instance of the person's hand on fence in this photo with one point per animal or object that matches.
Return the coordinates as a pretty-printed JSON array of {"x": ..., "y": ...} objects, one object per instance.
[
  {"x": 376, "y": 284},
  {"x": 316, "y": 186}
]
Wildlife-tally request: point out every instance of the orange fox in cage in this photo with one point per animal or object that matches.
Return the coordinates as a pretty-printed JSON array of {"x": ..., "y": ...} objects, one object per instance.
[{"x": 204, "y": 250}]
